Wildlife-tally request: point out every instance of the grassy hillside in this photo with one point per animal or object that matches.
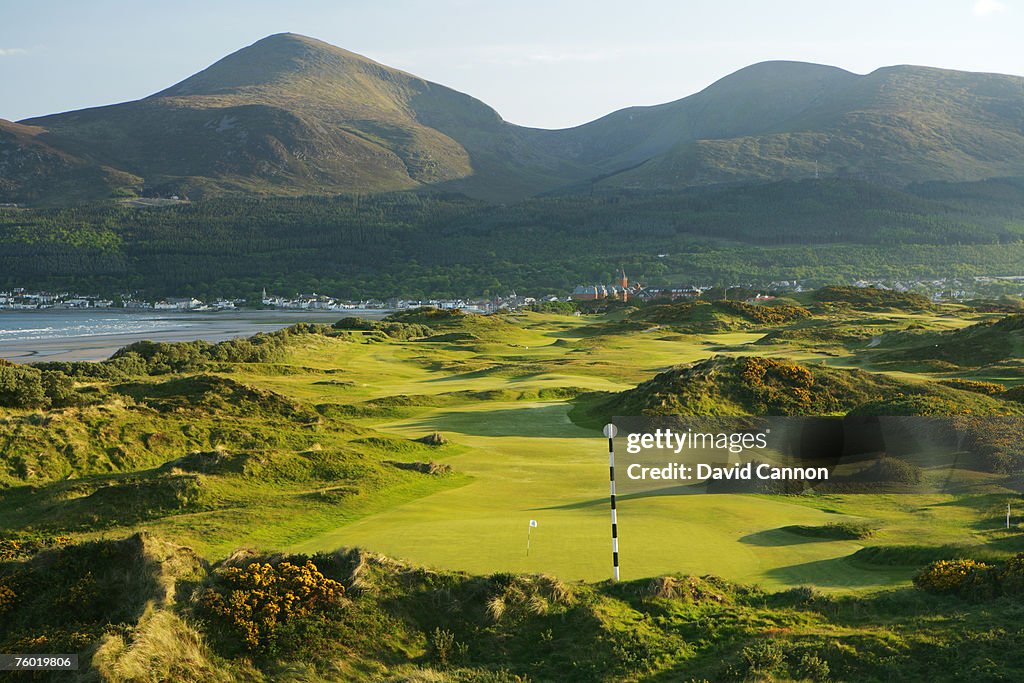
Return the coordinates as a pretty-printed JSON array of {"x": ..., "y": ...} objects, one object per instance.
[
  {"x": 753, "y": 385},
  {"x": 985, "y": 343},
  {"x": 890, "y": 126},
  {"x": 32, "y": 171}
]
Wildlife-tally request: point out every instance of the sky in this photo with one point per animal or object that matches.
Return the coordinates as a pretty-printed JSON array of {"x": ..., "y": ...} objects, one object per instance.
[{"x": 548, "y": 63}]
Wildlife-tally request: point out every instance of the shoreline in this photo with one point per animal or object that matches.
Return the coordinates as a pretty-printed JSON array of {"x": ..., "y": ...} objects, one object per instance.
[{"x": 212, "y": 326}]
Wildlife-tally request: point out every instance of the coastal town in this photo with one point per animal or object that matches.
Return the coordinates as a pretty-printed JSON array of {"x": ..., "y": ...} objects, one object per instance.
[
  {"x": 21, "y": 299},
  {"x": 621, "y": 289}
]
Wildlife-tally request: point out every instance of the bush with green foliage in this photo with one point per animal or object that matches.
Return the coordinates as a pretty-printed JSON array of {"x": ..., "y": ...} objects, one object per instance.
[
  {"x": 764, "y": 658},
  {"x": 22, "y": 387},
  {"x": 811, "y": 667},
  {"x": 888, "y": 470},
  {"x": 27, "y": 387},
  {"x": 766, "y": 315},
  {"x": 161, "y": 358},
  {"x": 835, "y": 530},
  {"x": 751, "y": 385},
  {"x": 427, "y": 315},
  {"x": 393, "y": 329}
]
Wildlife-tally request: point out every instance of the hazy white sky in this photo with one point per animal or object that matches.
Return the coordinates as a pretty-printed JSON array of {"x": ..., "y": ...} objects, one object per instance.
[{"x": 547, "y": 63}]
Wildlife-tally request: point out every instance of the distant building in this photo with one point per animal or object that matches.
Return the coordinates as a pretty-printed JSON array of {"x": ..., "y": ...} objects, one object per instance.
[
  {"x": 177, "y": 304},
  {"x": 619, "y": 291}
]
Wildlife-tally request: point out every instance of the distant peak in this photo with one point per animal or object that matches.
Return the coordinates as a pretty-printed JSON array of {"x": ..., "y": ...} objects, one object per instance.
[
  {"x": 781, "y": 68},
  {"x": 281, "y": 46},
  {"x": 287, "y": 35},
  {"x": 294, "y": 39},
  {"x": 792, "y": 65},
  {"x": 266, "y": 61},
  {"x": 779, "y": 75}
]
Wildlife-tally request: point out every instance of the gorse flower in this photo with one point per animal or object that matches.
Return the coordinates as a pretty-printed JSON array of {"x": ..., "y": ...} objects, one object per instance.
[
  {"x": 258, "y": 599},
  {"x": 949, "y": 576}
]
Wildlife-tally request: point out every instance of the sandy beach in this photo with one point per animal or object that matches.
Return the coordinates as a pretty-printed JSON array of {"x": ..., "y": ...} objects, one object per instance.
[{"x": 61, "y": 343}]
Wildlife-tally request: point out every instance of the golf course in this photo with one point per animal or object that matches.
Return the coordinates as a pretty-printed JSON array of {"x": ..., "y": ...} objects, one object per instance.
[{"x": 428, "y": 444}]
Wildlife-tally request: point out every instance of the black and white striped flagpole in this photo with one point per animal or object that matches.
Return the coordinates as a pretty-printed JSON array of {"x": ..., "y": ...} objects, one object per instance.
[{"x": 610, "y": 431}]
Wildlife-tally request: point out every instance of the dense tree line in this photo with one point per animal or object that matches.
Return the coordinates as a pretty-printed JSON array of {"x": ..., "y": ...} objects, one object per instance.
[{"x": 409, "y": 244}]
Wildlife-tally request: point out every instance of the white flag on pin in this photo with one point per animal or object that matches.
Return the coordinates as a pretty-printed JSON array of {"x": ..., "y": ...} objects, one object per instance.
[{"x": 533, "y": 522}]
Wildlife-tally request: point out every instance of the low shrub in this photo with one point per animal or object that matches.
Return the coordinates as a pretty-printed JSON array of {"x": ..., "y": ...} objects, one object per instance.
[
  {"x": 514, "y": 598},
  {"x": 949, "y": 576},
  {"x": 835, "y": 530},
  {"x": 274, "y": 609},
  {"x": 393, "y": 329},
  {"x": 27, "y": 387},
  {"x": 16, "y": 548},
  {"x": 765, "y": 657},
  {"x": 1011, "y": 577},
  {"x": 986, "y": 388},
  {"x": 812, "y": 667}
]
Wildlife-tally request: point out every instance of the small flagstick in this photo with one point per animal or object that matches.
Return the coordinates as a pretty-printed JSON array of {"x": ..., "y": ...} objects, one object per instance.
[
  {"x": 529, "y": 532},
  {"x": 610, "y": 431},
  {"x": 1007, "y": 514}
]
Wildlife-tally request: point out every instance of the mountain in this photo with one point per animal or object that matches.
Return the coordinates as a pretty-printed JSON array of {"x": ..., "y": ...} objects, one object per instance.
[
  {"x": 291, "y": 115},
  {"x": 777, "y": 120}
]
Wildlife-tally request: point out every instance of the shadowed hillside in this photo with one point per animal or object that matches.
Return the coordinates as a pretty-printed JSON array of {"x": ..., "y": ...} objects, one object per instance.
[{"x": 146, "y": 609}]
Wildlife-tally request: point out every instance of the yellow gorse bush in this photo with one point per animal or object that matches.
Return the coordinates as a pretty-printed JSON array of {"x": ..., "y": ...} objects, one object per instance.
[
  {"x": 774, "y": 380},
  {"x": 7, "y": 597},
  {"x": 260, "y": 597},
  {"x": 948, "y": 576},
  {"x": 12, "y": 549}
]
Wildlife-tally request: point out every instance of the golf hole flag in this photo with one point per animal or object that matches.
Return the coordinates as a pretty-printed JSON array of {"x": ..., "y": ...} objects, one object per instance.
[
  {"x": 533, "y": 522},
  {"x": 529, "y": 533}
]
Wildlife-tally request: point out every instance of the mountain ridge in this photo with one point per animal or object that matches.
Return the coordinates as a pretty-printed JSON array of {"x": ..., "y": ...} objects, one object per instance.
[{"x": 292, "y": 115}]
